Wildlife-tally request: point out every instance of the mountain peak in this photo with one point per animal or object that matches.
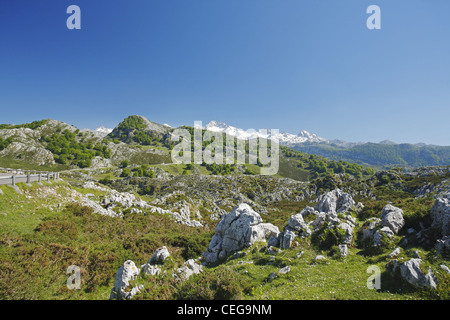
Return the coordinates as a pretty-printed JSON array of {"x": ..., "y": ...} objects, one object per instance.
[{"x": 284, "y": 138}]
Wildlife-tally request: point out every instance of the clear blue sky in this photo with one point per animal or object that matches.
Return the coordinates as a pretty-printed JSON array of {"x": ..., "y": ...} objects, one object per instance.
[{"x": 285, "y": 64}]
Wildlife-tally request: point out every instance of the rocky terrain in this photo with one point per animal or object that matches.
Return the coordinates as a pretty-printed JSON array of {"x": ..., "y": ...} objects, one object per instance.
[{"x": 142, "y": 228}]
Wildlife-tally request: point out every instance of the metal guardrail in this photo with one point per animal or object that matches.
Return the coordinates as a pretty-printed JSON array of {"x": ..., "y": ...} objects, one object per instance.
[{"x": 27, "y": 176}]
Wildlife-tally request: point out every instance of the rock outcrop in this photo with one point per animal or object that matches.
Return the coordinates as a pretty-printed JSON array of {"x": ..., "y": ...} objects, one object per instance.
[
  {"x": 123, "y": 290},
  {"x": 440, "y": 213},
  {"x": 325, "y": 215},
  {"x": 392, "y": 217},
  {"x": 159, "y": 256},
  {"x": 189, "y": 268},
  {"x": 335, "y": 201},
  {"x": 236, "y": 230},
  {"x": 375, "y": 229},
  {"x": 411, "y": 272}
]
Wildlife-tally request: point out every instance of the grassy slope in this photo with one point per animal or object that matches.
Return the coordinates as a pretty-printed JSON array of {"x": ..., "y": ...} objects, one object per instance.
[
  {"x": 6, "y": 162},
  {"x": 39, "y": 239}
]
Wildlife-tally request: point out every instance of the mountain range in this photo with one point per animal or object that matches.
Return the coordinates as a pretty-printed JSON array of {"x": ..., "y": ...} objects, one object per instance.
[
  {"x": 25, "y": 142},
  {"x": 385, "y": 153}
]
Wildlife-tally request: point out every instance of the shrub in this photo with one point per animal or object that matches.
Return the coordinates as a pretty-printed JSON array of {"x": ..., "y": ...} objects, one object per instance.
[
  {"x": 106, "y": 180},
  {"x": 78, "y": 209},
  {"x": 223, "y": 284},
  {"x": 125, "y": 173},
  {"x": 62, "y": 230},
  {"x": 327, "y": 237},
  {"x": 193, "y": 245}
]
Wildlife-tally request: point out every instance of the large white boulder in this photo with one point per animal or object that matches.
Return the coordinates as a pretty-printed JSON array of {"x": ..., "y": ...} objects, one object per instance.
[
  {"x": 392, "y": 217},
  {"x": 238, "y": 229},
  {"x": 411, "y": 272},
  {"x": 335, "y": 201}
]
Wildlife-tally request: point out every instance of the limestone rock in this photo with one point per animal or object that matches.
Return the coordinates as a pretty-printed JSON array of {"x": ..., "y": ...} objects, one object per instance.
[
  {"x": 443, "y": 245},
  {"x": 445, "y": 268},
  {"x": 394, "y": 253},
  {"x": 410, "y": 271},
  {"x": 335, "y": 201},
  {"x": 189, "y": 268},
  {"x": 159, "y": 256},
  {"x": 321, "y": 218},
  {"x": 126, "y": 273},
  {"x": 273, "y": 241},
  {"x": 378, "y": 235},
  {"x": 440, "y": 213},
  {"x": 348, "y": 232},
  {"x": 296, "y": 222},
  {"x": 343, "y": 249},
  {"x": 285, "y": 270},
  {"x": 236, "y": 230},
  {"x": 150, "y": 269},
  {"x": 369, "y": 228},
  {"x": 392, "y": 217},
  {"x": 320, "y": 258},
  {"x": 287, "y": 238}
]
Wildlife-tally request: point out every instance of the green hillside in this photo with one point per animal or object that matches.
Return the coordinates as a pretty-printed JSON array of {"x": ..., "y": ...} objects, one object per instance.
[{"x": 374, "y": 154}]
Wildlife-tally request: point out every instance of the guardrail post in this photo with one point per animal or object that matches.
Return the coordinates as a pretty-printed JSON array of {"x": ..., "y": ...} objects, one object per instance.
[
  {"x": 28, "y": 178},
  {"x": 13, "y": 180},
  {"x": 40, "y": 177},
  {"x": 48, "y": 176}
]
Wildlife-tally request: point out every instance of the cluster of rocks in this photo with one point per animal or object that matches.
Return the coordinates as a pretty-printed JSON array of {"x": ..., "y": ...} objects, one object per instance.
[
  {"x": 238, "y": 229},
  {"x": 114, "y": 203},
  {"x": 332, "y": 211},
  {"x": 375, "y": 229},
  {"x": 126, "y": 286},
  {"x": 220, "y": 194},
  {"x": 242, "y": 227}
]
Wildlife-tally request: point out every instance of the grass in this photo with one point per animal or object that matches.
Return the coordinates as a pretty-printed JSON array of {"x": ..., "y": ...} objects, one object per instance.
[
  {"x": 41, "y": 236},
  {"x": 307, "y": 280},
  {"x": 289, "y": 169},
  {"x": 6, "y": 162},
  {"x": 335, "y": 279},
  {"x": 22, "y": 213},
  {"x": 174, "y": 169}
]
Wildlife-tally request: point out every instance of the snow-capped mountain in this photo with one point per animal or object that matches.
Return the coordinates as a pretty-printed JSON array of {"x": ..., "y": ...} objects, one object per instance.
[
  {"x": 100, "y": 131},
  {"x": 284, "y": 138}
]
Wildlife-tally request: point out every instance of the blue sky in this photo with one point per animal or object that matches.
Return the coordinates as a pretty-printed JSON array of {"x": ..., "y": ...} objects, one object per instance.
[{"x": 290, "y": 65}]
